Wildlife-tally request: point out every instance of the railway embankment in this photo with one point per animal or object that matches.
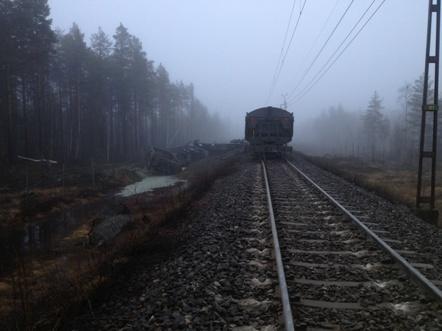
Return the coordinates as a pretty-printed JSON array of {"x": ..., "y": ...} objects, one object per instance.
[
  {"x": 222, "y": 275},
  {"x": 215, "y": 272}
]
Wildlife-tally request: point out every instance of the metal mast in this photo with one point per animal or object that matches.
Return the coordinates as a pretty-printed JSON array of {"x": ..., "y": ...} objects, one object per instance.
[{"x": 428, "y": 139}]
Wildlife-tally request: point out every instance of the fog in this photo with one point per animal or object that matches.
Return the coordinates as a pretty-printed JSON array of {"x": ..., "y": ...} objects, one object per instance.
[
  {"x": 229, "y": 49},
  {"x": 123, "y": 151}
]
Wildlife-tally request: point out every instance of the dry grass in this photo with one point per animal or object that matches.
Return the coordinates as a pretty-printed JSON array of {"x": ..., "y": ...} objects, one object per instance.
[
  {"x": 393, "y": 183},
  {"x": 40, "y": 292},
  {"x": 36, "y": 192},
  {"x": 39, "y": 204}
]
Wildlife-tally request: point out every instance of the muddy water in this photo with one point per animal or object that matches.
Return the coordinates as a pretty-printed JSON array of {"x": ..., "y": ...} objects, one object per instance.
[
  {"x": 148, "y": 184},
  {"x": 44, "y": 236}
]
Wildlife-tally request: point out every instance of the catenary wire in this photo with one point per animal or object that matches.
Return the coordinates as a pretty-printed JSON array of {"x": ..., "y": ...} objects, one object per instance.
[
  {"x": 282, "y": 48},
  {"x": 343, "y": 51},
  {"x": 288, "y": 48},
  {"x": 292, "y": 96},
  {"x": 322, "y": 29},
  {"x": 306, "y": 72}
]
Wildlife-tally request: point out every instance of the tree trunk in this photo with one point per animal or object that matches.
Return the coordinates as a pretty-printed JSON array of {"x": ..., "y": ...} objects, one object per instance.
[
  {"x": 25, "y": 116},
  {"x": 8, "y": 108}
]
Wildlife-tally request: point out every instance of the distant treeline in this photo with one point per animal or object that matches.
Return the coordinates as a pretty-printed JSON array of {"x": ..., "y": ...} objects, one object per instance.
[
  {"x": 63, "y": 99},
  {"x": 376, "y": 134}
]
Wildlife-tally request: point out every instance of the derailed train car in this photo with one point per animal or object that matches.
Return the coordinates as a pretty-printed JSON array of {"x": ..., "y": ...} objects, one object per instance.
[{"x": 269, "y": 130}]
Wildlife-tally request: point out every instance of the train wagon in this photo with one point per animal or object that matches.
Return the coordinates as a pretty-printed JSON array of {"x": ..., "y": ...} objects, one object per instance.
[{"x": 268, "y": 130}]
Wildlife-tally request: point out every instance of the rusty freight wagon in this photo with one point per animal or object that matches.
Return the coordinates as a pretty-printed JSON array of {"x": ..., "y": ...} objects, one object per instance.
[{"x": 268, "y": 130}]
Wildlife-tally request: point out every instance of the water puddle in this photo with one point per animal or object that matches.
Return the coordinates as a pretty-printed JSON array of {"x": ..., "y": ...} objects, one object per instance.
[
  {"x": 148, "y": 184},
  {"x": 44, "y": 236}
]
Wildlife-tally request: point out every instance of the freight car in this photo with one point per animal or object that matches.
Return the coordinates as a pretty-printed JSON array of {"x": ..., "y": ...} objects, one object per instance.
[{"x": 269, "y": 130}]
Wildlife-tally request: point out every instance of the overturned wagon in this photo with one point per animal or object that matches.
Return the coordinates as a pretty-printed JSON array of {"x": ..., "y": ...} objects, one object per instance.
[{"x": 269, "y": 130}]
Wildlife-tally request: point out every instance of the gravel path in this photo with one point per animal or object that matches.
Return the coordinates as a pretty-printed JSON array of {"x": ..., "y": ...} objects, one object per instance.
[{"x": 222, "y": 277}]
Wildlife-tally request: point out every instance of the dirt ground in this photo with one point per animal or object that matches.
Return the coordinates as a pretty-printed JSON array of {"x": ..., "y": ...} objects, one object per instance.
[{"x": 34, "y": 192}]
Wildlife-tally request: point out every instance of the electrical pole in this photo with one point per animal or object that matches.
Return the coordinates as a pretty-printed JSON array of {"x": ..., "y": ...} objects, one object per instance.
[
  {"x": 426, "y": 179},
  {"x": 284, "y": 104}
]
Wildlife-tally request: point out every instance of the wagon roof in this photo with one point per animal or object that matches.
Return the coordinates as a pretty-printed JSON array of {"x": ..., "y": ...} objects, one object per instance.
[{"x": 270, "y": 111}]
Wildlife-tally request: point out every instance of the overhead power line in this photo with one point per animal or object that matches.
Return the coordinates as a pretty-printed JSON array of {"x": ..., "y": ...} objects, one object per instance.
[
  {"x": 282, "y": 61},
  {"x": 336, "y": 51},
  {"x": 306, "y": 91},
  {"x": 289, "y": 23},
  {"x": 291, "y": 38},
  {"x": 306, "y": 72},
  {"x": 324, "y": 25}
]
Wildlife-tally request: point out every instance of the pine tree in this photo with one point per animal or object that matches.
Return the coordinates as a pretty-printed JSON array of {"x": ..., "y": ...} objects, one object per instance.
[
  {"x": 61, "y": 99},
  {"x": 74, "y": 55},
  {"x": 164, "y": 105},
  {"x": 98, "y": 97},
  {"x": 101, "y": 45},
  {"x": 27, "y": 42},
  {"x": 411, "y": 97},
  {"x": 374, "y": 124},
  {"x": 121, "y": 63},
  {"x": 414, "y": 108}
]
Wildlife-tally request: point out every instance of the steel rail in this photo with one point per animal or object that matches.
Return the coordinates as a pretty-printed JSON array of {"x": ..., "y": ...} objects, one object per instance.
[
  {"x": 286, "y": 308},
  {"x": 421, "y": 280}
]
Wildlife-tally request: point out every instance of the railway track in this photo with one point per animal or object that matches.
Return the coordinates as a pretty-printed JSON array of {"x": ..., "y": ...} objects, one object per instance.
[
  {"x": 337, "y": 270},
  {"x": 397, "y": 226}
]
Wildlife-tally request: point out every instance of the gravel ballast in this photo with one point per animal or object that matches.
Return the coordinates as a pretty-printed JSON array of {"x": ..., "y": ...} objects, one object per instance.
[
  {"x": 221, "y": 277},
  {"x": 405, "y": 231},
  {"x": 337, "y": 278},
  {"x": 220, "y": 273}
]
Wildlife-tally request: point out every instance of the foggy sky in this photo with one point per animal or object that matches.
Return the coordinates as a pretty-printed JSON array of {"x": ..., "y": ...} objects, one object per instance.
[{"x": 229, "y": 48}]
